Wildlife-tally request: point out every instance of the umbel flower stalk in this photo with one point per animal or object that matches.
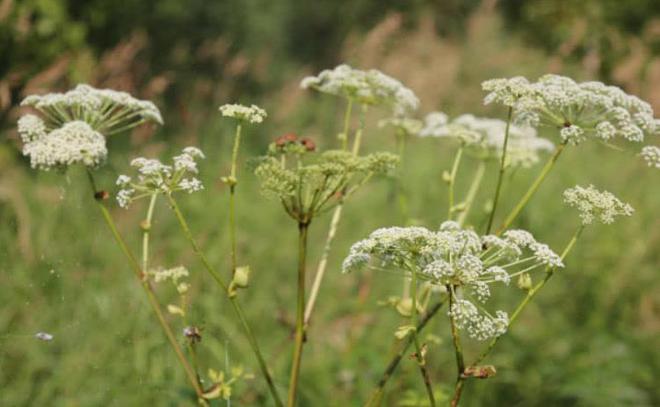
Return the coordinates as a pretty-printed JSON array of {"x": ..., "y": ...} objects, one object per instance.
[
  {"x": 366, "y": 88},
  {"x": 141, "y": 275},
  {"x": 236, "y": 307},
  {"x": 308, "y": 184},
  {"x": 243, "y": 114},
  {"x": 594, "y": 206}
]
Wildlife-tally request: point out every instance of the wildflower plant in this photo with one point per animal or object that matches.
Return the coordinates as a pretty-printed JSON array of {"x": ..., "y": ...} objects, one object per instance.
[
  {"x": 154, "y": 177},
  {"x": 456, "y": 266}
]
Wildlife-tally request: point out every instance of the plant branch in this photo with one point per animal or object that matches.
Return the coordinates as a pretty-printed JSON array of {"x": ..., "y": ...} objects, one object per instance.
[
  {"x": 377, "y": 394},
  {"x": 500, "y": 176},
  {"x": 232, "y": 299}
]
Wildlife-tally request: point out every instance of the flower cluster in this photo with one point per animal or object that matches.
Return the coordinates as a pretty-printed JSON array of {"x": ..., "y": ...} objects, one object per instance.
[
  {"x": 251, "y": 114},
  {"x": 73, "y": 143},
  {"x": 403, "y": 125},
  {"x": 594, "y": 205},
  {"x": 484, "y": 137},
  {"x": 106, "y": 111},
  {"x": 578, "y": 110},
  {"x": 174, "y": 275},
  {"x": 311, "y": 182},
  {"x": 370, "y": 87},
  {"x": 651, "y": 154},
  {"x": 460, "y": 260},
  {"x": 154, "y": 177}
]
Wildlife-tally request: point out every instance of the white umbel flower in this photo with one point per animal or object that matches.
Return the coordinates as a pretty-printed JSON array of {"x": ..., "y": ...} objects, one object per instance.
[
  {"x": 74, "y": 143},
  {"x": 484, "y": 138},
  {"x": 463, "y": 262},
  {"x": 370, "y": 87},
  {"x": 579, "y": 110},
  {"x": 251, "y": 114},
  {"x": 154, "y": 177},
  {"x": 594, "y": 205},
  {"x": 106, "y": 111},
  {"x": 651, "y": 154}
]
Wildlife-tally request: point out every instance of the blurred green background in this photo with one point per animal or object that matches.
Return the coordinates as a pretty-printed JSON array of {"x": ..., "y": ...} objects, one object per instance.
[{"x": 591, "y": 338}]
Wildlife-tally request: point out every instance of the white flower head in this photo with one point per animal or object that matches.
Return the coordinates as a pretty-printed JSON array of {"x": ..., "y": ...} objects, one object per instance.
[
  {"x": 104, "y": 110},
  {"x": 466, "y": 264},
  {"x": 578, "y": 110},
  {"x": 366, "y": 87},
  {"x": 594, "y": 205},
  {"x": 651, "y": 154},
  {"x": 154, "y": 177},
  {"x": 74, "y": 143},
  {"x": 484, "y": 138},
  {"x": 405, "y": 125},
  {"x": 251, "y": 114}
]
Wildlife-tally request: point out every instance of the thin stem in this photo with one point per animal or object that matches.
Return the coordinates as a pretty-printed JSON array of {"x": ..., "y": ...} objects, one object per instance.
[
  {"x": 400, "y": 189},
  {"x": 418, "y": 349},
  {"x": 472, "y": 192},
  {"x": 532, "y": 189},
  {"x": 300, "y": 314},
  {"x": 377, "y": 394},
  {"x": 232, "y": 198},
  {"x": 336, "y": 219},
  {"x": 358, "y": 134},
  {"x": 530, "y": 294},
  {"x": 151, "y": 297},
  {"x": 238, "y": 310},
  {"x": 458, "y": 349},
  {"x": 501, "y": 173},
  {"x": 347, "y": 122},
  {"x": 452, "y": 182},
  {"x": 146, "y": 229},
  {"x": 323, "y": 263}
]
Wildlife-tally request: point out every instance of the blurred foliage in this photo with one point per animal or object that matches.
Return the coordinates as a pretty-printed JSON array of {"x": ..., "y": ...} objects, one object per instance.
[{"x": 590, "y": 339}]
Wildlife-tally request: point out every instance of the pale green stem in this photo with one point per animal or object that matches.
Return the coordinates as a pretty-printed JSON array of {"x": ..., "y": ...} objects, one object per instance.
[
  {"x": 358, "y": 134},
  {"x": 347, "y": 122},
  {"x": 532, "y": 189},
  {"x": 458, "y": 349},
  {"x": 232, "y": 299},
  {"x": 232, "y": 198},
  {"x": 151, "y": 297},
  {"x": 530, "y": 294},
  {"x": 472, "y": 192},
  {"x": 418, "y": 349},
  {"x": 452, "y": 182},
  {"x": 401, "y": 192},
  {"x": 146, "y": 231},
  {"x": 300, "y": 315},
  {"x": 334, "y": 223},
  {"x": 320, "y": 271},
  {"x": 377, "y": 395},
  {"x": 501, "y": 172}
]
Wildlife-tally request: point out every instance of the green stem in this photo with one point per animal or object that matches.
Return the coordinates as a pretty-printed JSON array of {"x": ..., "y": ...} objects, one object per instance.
[
  {"x": 401, "y": 149},
  {"x": 151, "y": 297},
  {"x": 323, "y": 263},
  {"x": 472, "y": 192},
  {"x": 300, "y": 314},
  {"x": 238, "y": 310},
  {"x": 232, "y": 198},
  {"x": 418, "y": 349},
  {"x": 452, "y": 182},
  {"x": 501, "y": 172},
  {"x": 347, "y": 122},
  {"x": 146, "y": 231},
  {"x": 532, "y": 189},
  {"x": 358, "y": 133},
  {"x": 530, "y": 294},
  {"x": 458, "y": 349},
  {"x": 377, "y": 395}
]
